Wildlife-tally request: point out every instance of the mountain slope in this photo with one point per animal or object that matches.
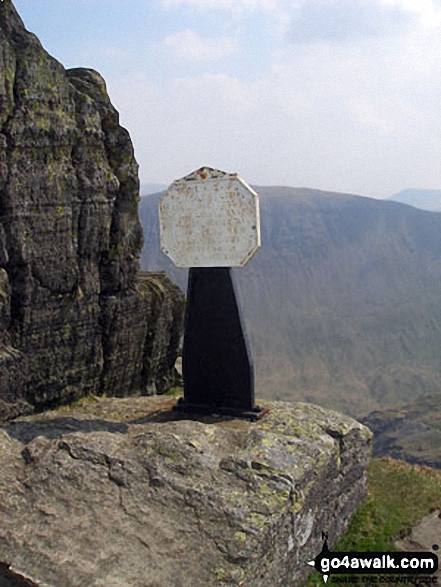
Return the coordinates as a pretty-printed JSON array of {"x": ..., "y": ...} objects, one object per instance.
[
  {"x": 342, "y": 303},
  {"x": 411, "y": 433},
  {"x": 150, "y": 188},
  {"x": 423, "y": 199}
]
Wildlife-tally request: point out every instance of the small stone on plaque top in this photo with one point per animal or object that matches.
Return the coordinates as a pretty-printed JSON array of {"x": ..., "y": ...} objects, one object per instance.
[{"x": 210, "y": 219}]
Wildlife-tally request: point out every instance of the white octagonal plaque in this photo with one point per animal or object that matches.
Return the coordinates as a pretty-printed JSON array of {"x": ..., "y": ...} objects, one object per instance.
[{"x": 210, "y": 219}]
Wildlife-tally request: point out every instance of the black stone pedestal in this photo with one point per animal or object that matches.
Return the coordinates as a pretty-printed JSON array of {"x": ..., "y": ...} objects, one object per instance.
[{"x": 217, "y": 367}]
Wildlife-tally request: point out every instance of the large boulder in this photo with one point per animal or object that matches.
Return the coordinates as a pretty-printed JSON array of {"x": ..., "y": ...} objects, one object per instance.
[{"x": 125, "y": 492}]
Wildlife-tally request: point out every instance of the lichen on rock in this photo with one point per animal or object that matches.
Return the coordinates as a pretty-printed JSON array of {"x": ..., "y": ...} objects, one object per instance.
[
  {"x": 72, "y": 318},
  {"x": 126, "y": 492}
]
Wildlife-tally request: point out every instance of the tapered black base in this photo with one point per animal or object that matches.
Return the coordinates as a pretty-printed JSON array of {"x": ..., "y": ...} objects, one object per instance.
[{"x": 217, "y": 367}]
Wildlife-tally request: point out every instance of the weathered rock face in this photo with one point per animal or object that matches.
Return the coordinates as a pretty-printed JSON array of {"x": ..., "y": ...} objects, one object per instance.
[
  {"x": 74, "y": 316},
  {"x": 124, "y": 492}
]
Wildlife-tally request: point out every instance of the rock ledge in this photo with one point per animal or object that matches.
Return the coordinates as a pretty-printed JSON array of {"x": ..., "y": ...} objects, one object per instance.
[{"x": 121, "y": 492}]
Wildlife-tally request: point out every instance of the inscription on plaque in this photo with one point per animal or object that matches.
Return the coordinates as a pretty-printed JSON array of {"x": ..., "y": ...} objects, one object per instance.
[{"x": 210, "y": 219}]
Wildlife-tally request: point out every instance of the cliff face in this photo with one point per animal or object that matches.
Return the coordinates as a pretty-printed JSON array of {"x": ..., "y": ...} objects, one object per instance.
[{"x": 74, "y": 316}]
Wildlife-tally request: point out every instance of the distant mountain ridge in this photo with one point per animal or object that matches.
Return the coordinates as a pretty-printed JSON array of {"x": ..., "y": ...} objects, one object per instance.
[
  {"x": 343, "y": 302},
  {"x": 146, "y": 189},
  {"x": 422, "y": 199}
]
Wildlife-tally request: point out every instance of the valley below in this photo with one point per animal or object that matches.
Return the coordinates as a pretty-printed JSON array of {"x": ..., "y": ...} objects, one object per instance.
[{"x": 409, "y": 433}]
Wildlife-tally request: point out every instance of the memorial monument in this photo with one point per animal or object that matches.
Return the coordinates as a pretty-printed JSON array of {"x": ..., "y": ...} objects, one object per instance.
[{"x": 210, "y": 222}]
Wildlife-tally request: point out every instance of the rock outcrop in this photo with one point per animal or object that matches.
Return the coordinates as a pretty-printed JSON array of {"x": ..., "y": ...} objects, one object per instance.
[
  {"x": 125, "y": 492},
  {"x": 423, "y": 537},
  {"x": 409, "y": 433},
  {"x": 75, "y": 316}
]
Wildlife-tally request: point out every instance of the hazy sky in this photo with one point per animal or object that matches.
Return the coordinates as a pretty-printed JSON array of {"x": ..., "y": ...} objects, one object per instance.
[{"x": 342, "y": 95}]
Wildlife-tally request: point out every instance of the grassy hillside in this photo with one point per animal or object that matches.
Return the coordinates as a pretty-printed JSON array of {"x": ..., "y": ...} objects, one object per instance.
[
  {"x": 399, "y": 496},
  {"x": 343, "y": 302}
]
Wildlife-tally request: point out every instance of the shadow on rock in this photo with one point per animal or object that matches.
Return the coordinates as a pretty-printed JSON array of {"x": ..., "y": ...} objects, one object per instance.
[{"x": 57, "y": 427}]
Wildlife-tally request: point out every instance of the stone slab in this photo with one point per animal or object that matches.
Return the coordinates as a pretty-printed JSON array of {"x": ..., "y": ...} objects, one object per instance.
[{"x": 125, "y": 492}]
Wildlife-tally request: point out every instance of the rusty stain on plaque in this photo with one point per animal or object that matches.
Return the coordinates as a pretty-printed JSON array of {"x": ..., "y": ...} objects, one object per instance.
[{"x": 210, "y": 219}]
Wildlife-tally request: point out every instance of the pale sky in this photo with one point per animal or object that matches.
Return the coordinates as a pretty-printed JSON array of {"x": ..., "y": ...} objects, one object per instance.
[{"x": 341, "y": 95}]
